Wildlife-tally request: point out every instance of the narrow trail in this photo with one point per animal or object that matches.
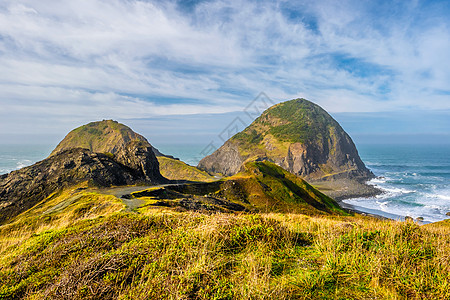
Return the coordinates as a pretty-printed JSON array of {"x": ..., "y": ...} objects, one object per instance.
[{"x": 134, "y": 203}]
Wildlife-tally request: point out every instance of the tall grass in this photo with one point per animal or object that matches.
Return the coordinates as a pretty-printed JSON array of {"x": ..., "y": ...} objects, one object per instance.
[{"x": 229, "y": 256}]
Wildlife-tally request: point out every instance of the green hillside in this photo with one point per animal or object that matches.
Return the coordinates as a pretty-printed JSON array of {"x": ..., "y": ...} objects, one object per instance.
[
  {"x": 82, "y": 244},
  {"x": 105, "y": 136},
  {"x": 297, "y": 135},
  {"x": 174, "y": 169}
]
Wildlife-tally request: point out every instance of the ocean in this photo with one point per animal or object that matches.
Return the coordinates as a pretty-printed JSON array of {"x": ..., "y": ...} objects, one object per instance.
[{"x": 415, "y": 179}]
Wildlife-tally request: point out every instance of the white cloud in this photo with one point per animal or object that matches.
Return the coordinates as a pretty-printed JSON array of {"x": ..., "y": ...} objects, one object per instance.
[{"x": 122, "y": 59}]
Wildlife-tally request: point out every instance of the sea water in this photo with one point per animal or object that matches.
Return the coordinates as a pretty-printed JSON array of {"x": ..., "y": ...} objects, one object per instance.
[
  {"x": 415, "y": 179},
  {"x": 14, "y": 157}
]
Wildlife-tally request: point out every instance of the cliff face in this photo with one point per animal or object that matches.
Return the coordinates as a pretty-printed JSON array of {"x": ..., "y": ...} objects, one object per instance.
[
  {"x": 22, "y": 189},
  {"x": 297, "y": 135}
]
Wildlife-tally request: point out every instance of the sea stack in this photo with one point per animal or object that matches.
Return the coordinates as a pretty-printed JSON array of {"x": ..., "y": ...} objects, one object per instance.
[
  {"x": 297, "y": 135},
  {"x": 119, "y": 142}
]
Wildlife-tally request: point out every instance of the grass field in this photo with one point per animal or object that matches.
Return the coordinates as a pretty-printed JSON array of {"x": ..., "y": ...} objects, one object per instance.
[{"x": 84, "y": 245}]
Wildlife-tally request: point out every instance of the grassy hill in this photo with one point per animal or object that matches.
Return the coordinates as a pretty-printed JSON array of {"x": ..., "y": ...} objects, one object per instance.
[
  {"x": 260, "y": 187},
  {"x": 174, "y": 169},
  {"x": 263, "y": 233},
  {"x": 297, "y": 135},
  {"x": 105, "y": 136},
  {"x": 82, "y": 244}
]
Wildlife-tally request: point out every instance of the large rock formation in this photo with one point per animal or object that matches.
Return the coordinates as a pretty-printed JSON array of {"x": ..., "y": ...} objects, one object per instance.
[
  {"x": 105, "y": 136},
  {"x": 22, "y": 189},
  {"x": 119, "y": 142},
  {"x": 102, "y": 153},
  {"x": 297, "y": 135}
]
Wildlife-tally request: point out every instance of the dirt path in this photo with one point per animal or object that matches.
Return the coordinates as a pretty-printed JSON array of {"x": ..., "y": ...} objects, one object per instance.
[{"x": 131, "y": 204}]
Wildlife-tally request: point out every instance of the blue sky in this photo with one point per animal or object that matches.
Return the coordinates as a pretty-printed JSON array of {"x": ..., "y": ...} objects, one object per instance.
[{"x": 379, "y": 67}]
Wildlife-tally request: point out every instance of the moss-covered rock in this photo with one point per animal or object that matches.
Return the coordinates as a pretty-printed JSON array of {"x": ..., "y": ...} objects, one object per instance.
[
  {"x": 297, "y": 135},
  {"x": 118, "y": 142}
]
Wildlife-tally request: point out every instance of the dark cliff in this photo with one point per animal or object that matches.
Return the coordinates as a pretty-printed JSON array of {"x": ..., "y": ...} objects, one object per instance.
[{"x": 22, "y": 189}]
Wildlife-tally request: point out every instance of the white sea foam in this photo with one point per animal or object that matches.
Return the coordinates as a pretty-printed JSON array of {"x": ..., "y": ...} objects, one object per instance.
[
  {"x": 443, "y": 197},
  {"x": 377, "y": 180},
  {"x": 394, "y": 191},
  {"x": 23, "y": 163}
]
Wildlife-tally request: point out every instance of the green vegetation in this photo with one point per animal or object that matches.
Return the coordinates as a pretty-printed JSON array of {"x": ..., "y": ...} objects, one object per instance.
[
  {"x": 260, "y": 187},
  {"x": 168, "y": 255},
  {"x": 249, "y": 136},
  {"x": 105, "y": 136},
  {"x": 292, "y": 121},
  {"x": 177, "y": 170},
  {"x": 305, "y": 121},
  {"x": 271, "y": 188}
]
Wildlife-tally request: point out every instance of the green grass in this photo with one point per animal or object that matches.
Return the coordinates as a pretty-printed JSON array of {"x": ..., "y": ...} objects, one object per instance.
[
  {"x": 81, "y": 244},
  {"x": 228, "y": 256},
  {"x": 102, "y": 136},
  {"x": 177, "y": 170},
  {"x": 279, "y": 190},
  {"x": 292, "y": 121}
]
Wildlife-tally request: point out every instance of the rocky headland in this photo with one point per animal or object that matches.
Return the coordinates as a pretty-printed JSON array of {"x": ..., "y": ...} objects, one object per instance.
[
  {"x": 22, "y": 189},
  {"x": 305, "y": 140},
  {"x": 103, "y": 154}
]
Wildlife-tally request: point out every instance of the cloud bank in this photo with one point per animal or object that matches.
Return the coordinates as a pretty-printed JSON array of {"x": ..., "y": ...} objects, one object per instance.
[{"x": 90, "y": 59}]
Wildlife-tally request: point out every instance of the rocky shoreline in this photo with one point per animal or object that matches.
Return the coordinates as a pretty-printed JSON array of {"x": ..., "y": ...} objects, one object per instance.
[{"x": 341, "y": 189}]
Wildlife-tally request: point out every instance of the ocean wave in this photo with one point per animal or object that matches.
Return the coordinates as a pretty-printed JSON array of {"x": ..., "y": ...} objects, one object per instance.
[
  {"x": 377, "y": 180},
  {"x": 444, "y": 197},
  {"x": 396, "y": 191},
  {"x": 23, "y": 163}
]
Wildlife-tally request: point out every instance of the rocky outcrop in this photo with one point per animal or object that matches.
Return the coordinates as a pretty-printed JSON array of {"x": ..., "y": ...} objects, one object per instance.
[
  {"x": 226, "y": 160},
  {"x": 22, "y": 189},
  {"x": 139, "y": 156},
  {"x": 119, "y": 142},
  {"x": 297, "y": 135},
  {"x": 101, "y": 153},
  {"x": 105, "y": 136}
]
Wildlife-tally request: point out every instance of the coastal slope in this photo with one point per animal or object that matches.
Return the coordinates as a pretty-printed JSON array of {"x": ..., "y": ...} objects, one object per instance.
[
  {"x": 297, "y": 135},
  {"x": 103, "y": 154},
  {"x": 302, "y": 138},
  {"x": 24, "y": 188}
]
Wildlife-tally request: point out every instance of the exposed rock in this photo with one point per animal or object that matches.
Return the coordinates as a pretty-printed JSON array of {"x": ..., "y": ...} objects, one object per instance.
[
  {"x": 22, "y": 189},
  {"x": 226, "y": 160},
  {"x": 448, "y": 214},
  {"x": 118, "y": 142},
  {"x": 297, "y": 135},
  {"x": 139, "y": 156}
]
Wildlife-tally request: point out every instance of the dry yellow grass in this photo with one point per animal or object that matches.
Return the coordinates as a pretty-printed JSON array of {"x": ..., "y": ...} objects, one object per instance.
[{"x": 92, "y": 253}]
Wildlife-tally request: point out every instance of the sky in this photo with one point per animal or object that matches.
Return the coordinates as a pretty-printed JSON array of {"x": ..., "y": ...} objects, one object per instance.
[{"x": 179, "y": 71}]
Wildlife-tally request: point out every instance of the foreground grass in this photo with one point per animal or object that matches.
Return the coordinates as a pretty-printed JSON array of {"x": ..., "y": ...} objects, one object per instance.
[{"x": 167, "y": 255}]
